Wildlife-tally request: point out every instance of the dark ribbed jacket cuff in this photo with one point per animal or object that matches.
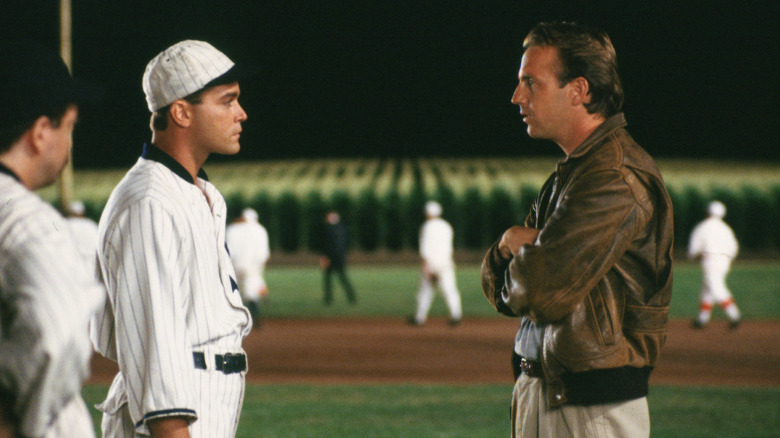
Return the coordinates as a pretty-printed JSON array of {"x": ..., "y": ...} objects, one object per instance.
[{"x": 606, "y": 386}]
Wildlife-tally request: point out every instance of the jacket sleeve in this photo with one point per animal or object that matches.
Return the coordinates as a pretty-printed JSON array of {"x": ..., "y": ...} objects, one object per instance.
[
  {"x": 492, "y": 275},
  {"x": 593, "y": 224}
]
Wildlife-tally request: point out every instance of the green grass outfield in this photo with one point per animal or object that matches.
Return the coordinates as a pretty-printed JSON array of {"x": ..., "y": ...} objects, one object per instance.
[
  {"x": 390, "y": 291},
  {"x": 410, "y": 411},
  {"x": 475, "y": 411}
]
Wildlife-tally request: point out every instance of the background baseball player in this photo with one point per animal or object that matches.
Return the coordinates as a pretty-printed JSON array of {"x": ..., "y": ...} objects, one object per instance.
[
  {"x": 46, "y": 294},
  {"x": 247, "y": 241},
  {"x": 438, "y": 267},
  {"x": 713, "y": 243},
  {"x": 176, "y": 321}
]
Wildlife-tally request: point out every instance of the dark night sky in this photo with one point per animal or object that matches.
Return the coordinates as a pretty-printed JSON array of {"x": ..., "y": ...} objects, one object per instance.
[{"x": 425, "y": 77}]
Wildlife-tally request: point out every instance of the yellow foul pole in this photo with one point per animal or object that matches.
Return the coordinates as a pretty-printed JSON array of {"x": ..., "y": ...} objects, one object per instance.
[{"x": 66, "y": 178}]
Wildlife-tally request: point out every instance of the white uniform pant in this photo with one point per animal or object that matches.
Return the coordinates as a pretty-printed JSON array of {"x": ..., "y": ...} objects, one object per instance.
[
  {"x": 219, "y": 408},
  {"x": 714, "y": 289},
  {"x": 532, "y": 417},
  {"x": 445, "y": 280}
]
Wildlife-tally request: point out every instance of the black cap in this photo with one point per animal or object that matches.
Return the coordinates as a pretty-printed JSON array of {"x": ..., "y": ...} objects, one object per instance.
[{"x": 34, "y": 81}]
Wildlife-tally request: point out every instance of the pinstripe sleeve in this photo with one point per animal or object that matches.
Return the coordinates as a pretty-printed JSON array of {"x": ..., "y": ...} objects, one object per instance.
[{"x": 146, "y": 254}]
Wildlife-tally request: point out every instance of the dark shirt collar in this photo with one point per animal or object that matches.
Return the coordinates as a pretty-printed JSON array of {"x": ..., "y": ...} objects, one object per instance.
[
  {"x": 9, "y": 172},
  {"x": 152, "y": 152}
]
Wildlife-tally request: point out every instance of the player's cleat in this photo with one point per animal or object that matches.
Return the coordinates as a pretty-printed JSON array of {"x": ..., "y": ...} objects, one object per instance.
[
  {"x": 698, "y": 324},
  {"x": 734, "y": 324},
  {"x": 411, "y": 320},
  {"x": 454, "y": 322}
]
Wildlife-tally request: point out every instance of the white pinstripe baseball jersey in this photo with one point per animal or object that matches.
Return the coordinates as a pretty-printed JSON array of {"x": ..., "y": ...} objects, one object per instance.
[
  {"x": 172, "y": 292},
  {"x": 46, "y": 299}
]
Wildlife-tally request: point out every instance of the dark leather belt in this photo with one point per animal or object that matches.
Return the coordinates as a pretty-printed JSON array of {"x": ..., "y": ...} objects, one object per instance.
[
  {"x": 531, "y": 368},
  {"x": 227, "y": 363}
]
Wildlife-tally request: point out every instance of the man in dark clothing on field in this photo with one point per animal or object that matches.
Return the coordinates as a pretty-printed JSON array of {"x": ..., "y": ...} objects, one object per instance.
[{"x": 334, "y": 247}]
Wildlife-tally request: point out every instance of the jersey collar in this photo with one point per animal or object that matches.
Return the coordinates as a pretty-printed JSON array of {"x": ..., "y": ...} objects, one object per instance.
[
  {"x": 7, "y": 171},
  {"x": 152, "y": 152}
]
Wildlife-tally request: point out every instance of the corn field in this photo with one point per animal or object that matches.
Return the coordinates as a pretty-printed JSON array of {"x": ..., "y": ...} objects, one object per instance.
[{"x": 381, "y": 200}]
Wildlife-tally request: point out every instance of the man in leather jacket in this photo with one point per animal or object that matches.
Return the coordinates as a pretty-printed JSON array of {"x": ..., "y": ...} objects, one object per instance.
[{"x": 590, "y": 270}]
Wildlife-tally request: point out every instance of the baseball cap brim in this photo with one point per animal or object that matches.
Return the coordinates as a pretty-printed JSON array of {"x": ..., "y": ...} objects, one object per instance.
[{"x": 235, "y": 74}]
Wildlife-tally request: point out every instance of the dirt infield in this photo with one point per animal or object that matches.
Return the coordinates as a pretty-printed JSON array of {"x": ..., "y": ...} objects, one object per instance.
[{"x": 477, "y": 351}]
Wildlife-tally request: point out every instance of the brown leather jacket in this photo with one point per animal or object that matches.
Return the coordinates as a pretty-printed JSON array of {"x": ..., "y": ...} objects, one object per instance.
[{"x": 600, "y": 272}]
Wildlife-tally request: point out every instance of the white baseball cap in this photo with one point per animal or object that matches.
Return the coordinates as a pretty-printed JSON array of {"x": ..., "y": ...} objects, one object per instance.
[
  {"x": 433, "y": 209},
  {"x": 249, "y": 214},
  {"x": 182, "y": 69},
  {"x": 717, "y": 209},
  {"x": 76, "y": 207}
]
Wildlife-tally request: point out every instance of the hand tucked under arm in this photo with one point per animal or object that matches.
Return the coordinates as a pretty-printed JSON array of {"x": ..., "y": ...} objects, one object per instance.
[
  {"x": 496, "y": 261},
  {"x": 514, "y": 238}
]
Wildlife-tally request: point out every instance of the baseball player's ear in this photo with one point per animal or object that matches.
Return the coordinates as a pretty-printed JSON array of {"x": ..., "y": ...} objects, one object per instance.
[
  {"x": 181, "y": 113},
  {"x": 38, "y": 134}
]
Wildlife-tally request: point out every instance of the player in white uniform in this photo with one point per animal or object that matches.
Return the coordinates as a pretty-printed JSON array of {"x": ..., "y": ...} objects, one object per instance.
[
  {"x": 176, "y": 322},
  {"x": 438, "y": 267},
  {"x": 247, "y": 241},
  {"x": 714, "y": 244},
  {"x": 85, "y": 233},
  {"x": 46, "y": 294}
]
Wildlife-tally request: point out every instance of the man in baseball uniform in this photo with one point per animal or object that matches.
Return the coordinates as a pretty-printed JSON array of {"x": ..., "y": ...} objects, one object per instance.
[
  {"x": 713, "y": 243},
  {"x": 438, "y": 267},
  {"x": 176, "y": 321},
  {"x": 47, "y": 295},
  {"x": 247, "y": 241}
]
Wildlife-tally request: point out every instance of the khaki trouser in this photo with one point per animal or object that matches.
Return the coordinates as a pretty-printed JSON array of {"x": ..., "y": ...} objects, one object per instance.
[{"x": 533, "y": 417}]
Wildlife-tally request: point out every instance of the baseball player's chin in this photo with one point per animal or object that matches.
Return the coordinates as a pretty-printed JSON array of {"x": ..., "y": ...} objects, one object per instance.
[{"x": 232, "y": 148}]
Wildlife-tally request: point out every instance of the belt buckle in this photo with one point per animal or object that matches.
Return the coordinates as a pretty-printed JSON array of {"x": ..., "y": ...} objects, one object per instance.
[
  {"x": 231, "y": 363},
  {"x": 528, "y": 368}
]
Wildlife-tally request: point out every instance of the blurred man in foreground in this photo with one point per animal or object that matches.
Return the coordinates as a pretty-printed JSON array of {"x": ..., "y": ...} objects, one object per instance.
[
  {"x": 590, "y": 270},
  {"x": 47, "y": 295}
]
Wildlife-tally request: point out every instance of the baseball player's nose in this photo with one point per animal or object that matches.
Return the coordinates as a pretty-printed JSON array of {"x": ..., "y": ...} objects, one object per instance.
[{"x": 241, "y": 113}]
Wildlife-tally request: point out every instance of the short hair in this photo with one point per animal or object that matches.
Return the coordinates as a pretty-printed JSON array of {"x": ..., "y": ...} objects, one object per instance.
[
  {"x": 584, "y": 52},
  {"x": 160, "y": 117},
  {"x": 11, "y": 134}
]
